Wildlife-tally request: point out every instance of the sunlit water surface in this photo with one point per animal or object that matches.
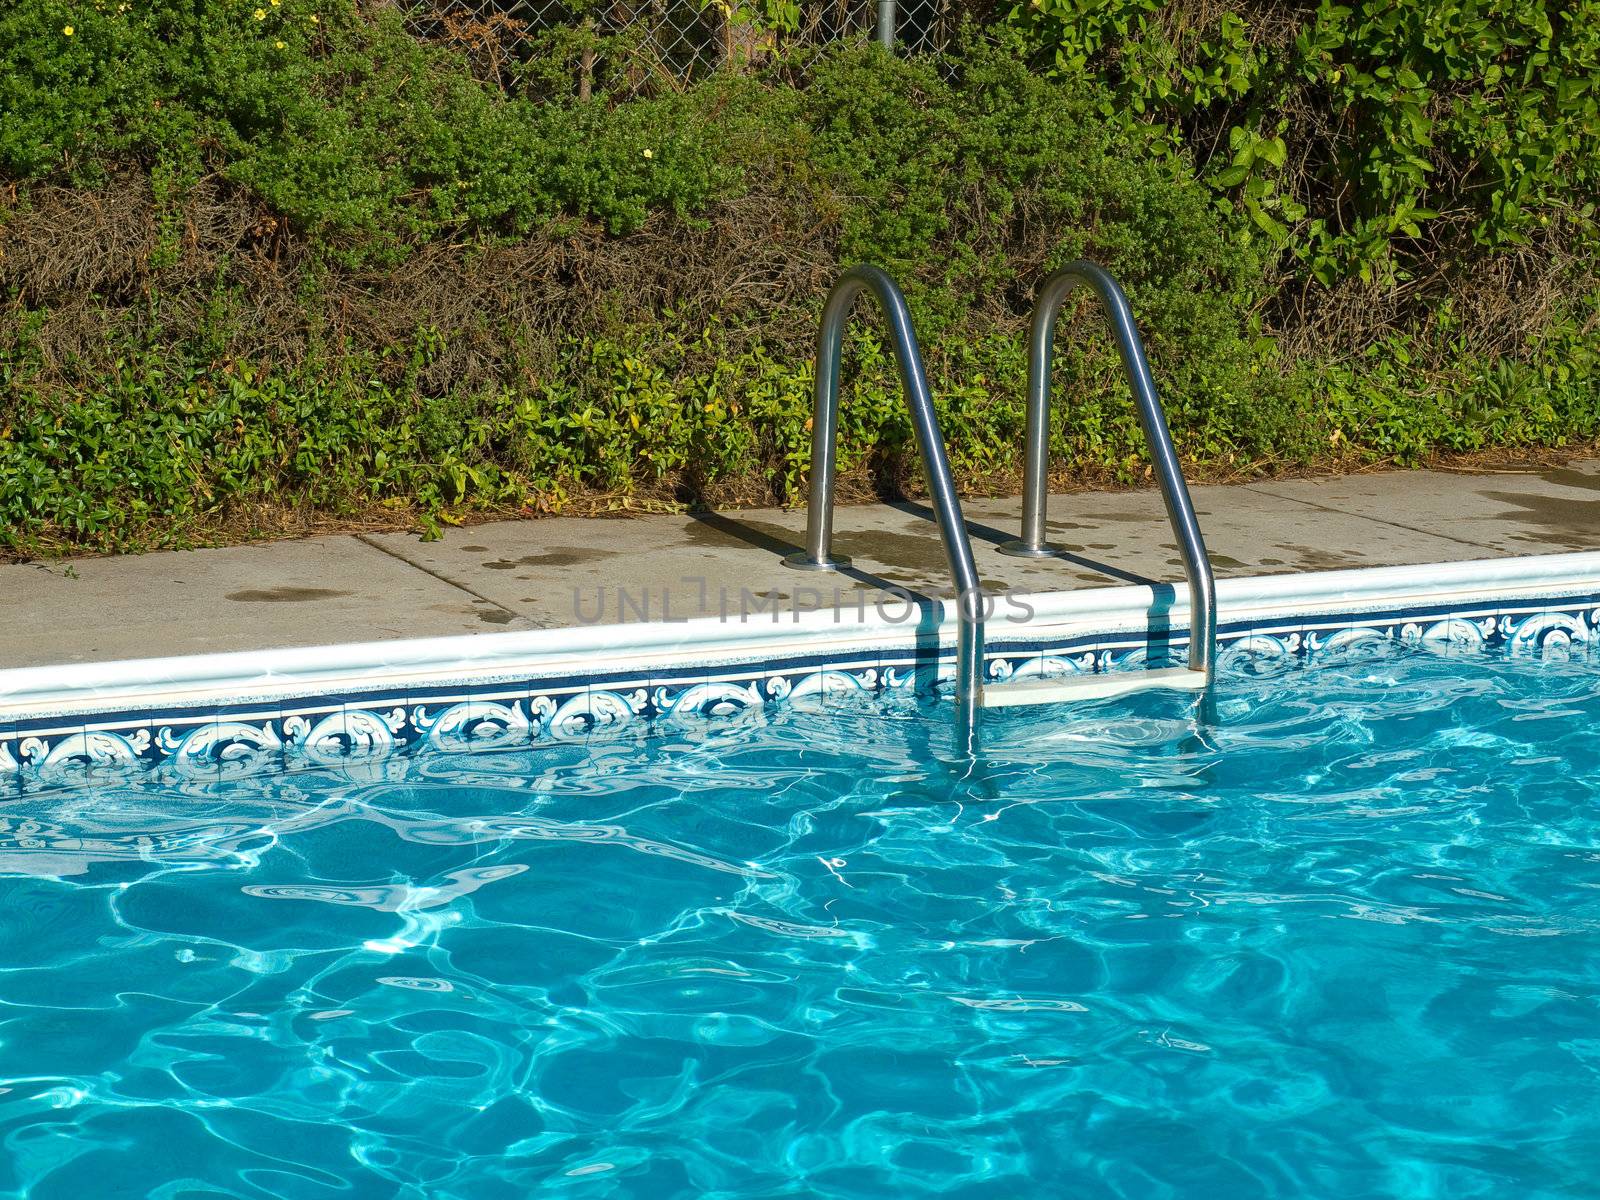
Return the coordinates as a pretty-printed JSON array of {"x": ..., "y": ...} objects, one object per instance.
[{"x": 1344, "y": 943}]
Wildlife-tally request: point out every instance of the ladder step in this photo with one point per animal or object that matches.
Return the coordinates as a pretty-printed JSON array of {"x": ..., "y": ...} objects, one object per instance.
[{"x": 1089, "y": 687}]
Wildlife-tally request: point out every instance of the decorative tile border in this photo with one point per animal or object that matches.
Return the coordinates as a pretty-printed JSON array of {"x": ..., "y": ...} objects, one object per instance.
[{"x": 76, "y": 726}]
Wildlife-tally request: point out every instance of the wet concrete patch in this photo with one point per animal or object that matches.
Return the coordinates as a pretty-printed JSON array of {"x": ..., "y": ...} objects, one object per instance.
[
  {"x": 1565, "y": 520},
  {"x": 713, "y": 531},
  {"x": 1100, "y": 518},
  {"x": 1548, "y": 539},
  {"x": 562, "y": 556},
  {"x": 916, "y": 584},
  {"x": 907, "y": 551},
  {"x": 285, "y": 595},
  {"x": 1568, "y": 477},
  {"x": 1314, "y": 559}
]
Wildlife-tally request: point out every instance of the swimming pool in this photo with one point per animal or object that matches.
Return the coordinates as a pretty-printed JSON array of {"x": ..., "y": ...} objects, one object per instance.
[{"x": 1340, "y": 942}]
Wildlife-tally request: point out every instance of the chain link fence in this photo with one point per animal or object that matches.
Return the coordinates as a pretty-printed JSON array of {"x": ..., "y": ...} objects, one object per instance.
[{"x": 632, "y": 47}]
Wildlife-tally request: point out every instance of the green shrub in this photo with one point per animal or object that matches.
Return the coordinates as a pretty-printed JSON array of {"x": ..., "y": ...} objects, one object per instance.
[
  {"x": 163, "y": 449},
  {"x": 958, "y": 180},
  {"x": 1382, "y": 405},
  {"x": 364, "y": 138},
  {"x": 1367, "y": 137},
  {"x": 213, "y": 382}
]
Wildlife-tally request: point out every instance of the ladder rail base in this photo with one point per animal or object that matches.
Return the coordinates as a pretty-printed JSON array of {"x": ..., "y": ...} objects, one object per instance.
[
  {"x": 1017, "y": 548},
  {"x": 801, "y": 560}
]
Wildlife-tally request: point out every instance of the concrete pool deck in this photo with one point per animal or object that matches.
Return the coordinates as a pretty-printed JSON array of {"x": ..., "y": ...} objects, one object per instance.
[{"x": 562, "y": 571}]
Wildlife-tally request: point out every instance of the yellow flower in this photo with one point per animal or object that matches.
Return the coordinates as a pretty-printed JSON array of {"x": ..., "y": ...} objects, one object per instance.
[
  {"x": 67, "y": 29},
  {"x": 275, "y": 3},
  {"x": 649, "y": 153},
  {"x": 278, "y": 45},
  {"x": 260, "y": 14},
  {"x": 316, "y": 20}
]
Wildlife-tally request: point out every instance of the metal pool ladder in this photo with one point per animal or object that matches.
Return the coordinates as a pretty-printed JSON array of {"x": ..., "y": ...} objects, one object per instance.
[
  {"x": 1174, "y": 491},
  {"x": 971, "y": 695},
  {"x": 818, "y": 554}
]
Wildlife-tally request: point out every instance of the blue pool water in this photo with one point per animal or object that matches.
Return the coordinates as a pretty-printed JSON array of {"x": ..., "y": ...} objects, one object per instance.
[{"x": 1342, "y": 944}]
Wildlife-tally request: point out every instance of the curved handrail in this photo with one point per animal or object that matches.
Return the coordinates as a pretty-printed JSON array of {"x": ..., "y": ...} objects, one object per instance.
[
  {"x": 818, "y": 555},
  {"x": 1174, "y": 491}
]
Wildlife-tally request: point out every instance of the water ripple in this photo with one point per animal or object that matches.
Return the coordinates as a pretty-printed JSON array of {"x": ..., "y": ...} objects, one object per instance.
[{"x": 1339, "y": 944}]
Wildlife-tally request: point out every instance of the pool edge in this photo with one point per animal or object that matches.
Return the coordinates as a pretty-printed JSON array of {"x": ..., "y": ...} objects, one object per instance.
[{"x": 218, "y": 710}]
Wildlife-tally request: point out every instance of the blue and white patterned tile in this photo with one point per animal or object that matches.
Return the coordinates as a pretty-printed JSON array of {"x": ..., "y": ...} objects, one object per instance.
[
  {"x": 822, "y": 681},
  {"x": 1441, "y": 629},
  {"x": 1061, "y": 662},
  {"x": 898, "y": 670},
  {"x": 1263, "y": 645},
  {"x": 733, "y": 693},
  {"x": 115, "y": 749},
  {"x": 1560, "y": 635},
  {"x": 1161, "y": 646},
  {"x": 56, "y": 754},
  {"x": 179, "y": 742},
  {"x": 912, "y": 675},
  {"x": 1169, "y": 649},
  {"x": 334, "y": 731},
  {"x": 435, "y": 716},
  {"x": 495, "y": 715},
  {"x": 1121, "y": 657},
  {"x": 1004, "y": 663},
  {"x": 674, "y": 690},
  {"x": 227, "y": 741},
  {"x": 851, "y": 682},
  {"x": 206, "y": 744},
  {"x": 1259, "y": 654},
  {"x": 10, "y": 762},
  {"x": 1345, "y": 637},
  {"x": 1450, "y": 635},
  {"x": 1590, "y": 613},
  {"x": 579, "y": 712}
]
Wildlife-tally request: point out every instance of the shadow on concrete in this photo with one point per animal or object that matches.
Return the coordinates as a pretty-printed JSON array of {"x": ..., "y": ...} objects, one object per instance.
[
  {"x": 989, "y": 533},
  {"x": 1160, "y": 637},
  {"x": 929, "y": 610},
  {"x": 763, "y": 539},
  {"x": 1159, "y": 633}
]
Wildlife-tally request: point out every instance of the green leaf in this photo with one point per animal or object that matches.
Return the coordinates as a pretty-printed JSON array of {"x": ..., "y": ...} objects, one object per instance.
[{"x": 1276, "y": 231}]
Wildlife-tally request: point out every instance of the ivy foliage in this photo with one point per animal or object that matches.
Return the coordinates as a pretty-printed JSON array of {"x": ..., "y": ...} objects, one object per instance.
[
  {"x": 1365, "y": 137},
  {"x": 164, "y": 449}
]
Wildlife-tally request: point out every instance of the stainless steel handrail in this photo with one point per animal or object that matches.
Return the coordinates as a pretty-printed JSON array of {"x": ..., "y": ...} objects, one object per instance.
[
  {"x": 1174, "y": 491},
  {"x": 818, "y": 555}
]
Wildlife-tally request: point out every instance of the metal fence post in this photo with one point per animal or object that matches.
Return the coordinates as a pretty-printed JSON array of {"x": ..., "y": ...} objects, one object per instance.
[{"x": 886, "y": 19}]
